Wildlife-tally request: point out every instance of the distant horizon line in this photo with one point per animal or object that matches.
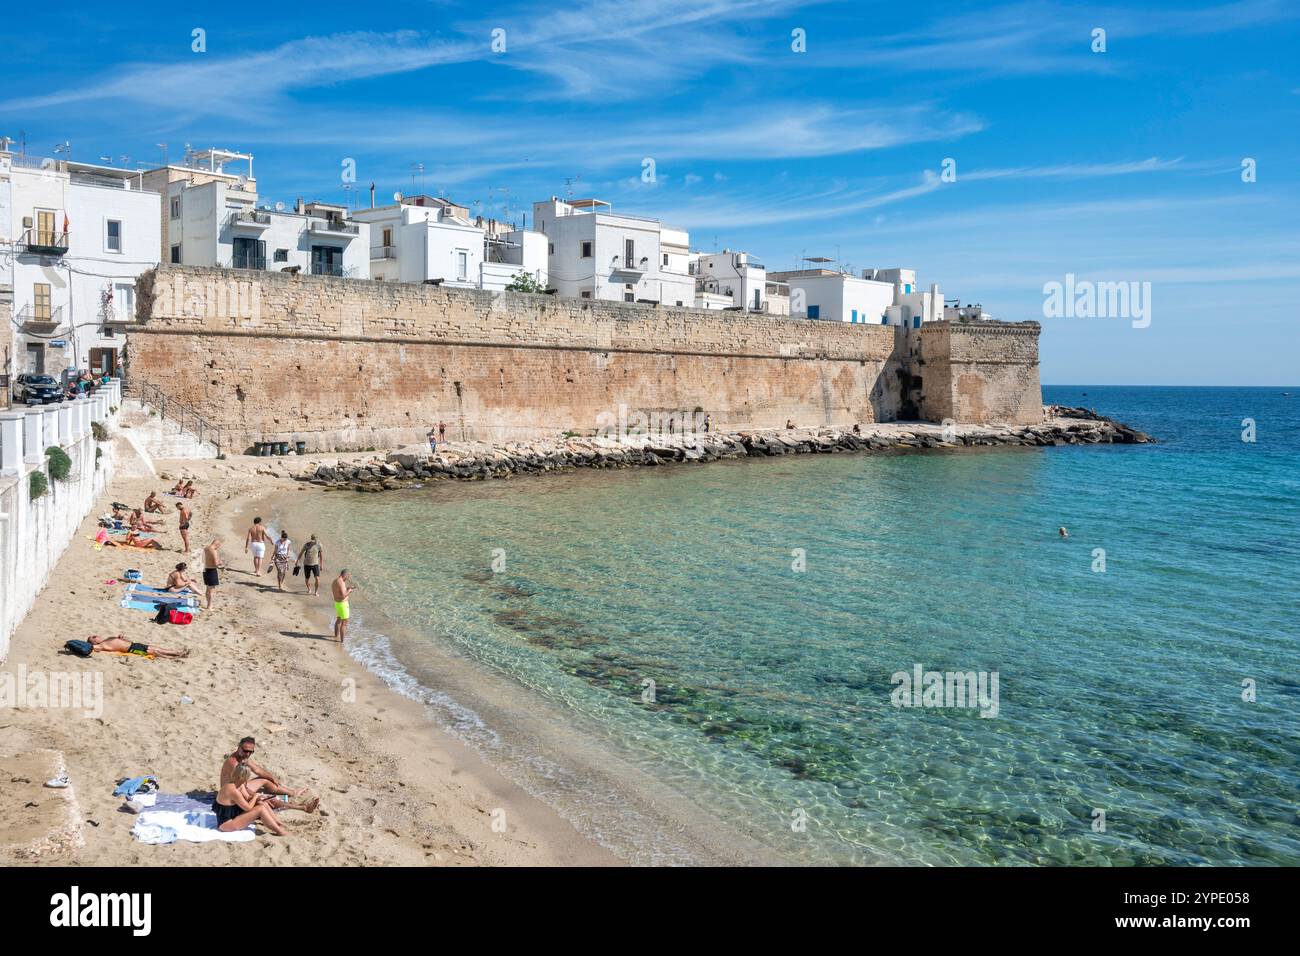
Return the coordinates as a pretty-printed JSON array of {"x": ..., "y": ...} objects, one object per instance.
[{"x": 1071, "y": 385}]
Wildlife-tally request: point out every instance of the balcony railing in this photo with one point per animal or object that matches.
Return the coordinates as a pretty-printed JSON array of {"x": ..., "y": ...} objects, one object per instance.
[
  {"x": 248, "y": 261},
  {"x": 635, "y": 266},
  {"x": 383, "y": 252},
  {"x": 40, "y": 321},
  {"x": 45, "y": 242},
  {"x": 250, "y": 218},
  {"x": 336, "y": 226}
]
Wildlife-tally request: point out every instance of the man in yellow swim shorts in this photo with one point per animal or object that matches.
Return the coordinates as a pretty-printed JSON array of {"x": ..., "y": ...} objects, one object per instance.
[{"x": 341, "y": 589}]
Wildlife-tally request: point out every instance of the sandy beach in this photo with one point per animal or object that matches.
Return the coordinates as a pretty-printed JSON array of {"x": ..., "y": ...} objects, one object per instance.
[{"x": 394, "y": 789}]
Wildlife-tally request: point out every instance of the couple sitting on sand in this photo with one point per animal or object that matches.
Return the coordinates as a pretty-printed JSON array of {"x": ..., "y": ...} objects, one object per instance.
[
  {"x": 249, "y": 793},
  {"x": 184, "y": 489}
]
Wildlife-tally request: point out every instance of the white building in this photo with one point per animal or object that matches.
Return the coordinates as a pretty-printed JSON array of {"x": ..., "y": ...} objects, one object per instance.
[
  {"x": 736, "y": 276},
  {"x": 76, "y": 236},
  {"x": 424, "y": 238},
  {"x": 594, "y": 253},
  {"x": 879, "y": 297},
  {"x": 212, "y": 218}
]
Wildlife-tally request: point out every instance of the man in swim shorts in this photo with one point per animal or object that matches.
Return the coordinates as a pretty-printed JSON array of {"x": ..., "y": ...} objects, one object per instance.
[
  {"x": 153, "y": 503},
  {"x": 211, "y": 562},
  {"x": 256, "y": 540},
  {"x": 121, "y": 645},
  {"x": 312, "y": 559},
  {"x": 184, "y": 526},
  {"x": 341, "y": 589}
]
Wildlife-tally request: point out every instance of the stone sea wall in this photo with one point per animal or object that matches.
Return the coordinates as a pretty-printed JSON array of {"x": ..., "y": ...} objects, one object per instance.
[{"x": 349, "y": 364}]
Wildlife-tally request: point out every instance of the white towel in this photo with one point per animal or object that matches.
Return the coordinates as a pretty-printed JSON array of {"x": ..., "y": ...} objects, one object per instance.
[{"x": 195, "y": 826}]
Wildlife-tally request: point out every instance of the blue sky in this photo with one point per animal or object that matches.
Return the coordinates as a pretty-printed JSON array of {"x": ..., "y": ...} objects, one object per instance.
[{"x": 1123, "y": 165}]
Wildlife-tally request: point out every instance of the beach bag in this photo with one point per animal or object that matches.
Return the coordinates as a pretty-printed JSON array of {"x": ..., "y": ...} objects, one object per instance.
[
  {"x": 80, "y": 648},
  {"x": 177, "y": 616},
  {"x": 130, "y": 574},
  {"x": 162, "y": 616}
]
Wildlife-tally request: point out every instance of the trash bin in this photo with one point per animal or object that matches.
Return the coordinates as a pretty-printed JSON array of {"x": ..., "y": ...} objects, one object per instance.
[
  {"x": 300, "y": 447},
  {"x": 282, "y": 448}
]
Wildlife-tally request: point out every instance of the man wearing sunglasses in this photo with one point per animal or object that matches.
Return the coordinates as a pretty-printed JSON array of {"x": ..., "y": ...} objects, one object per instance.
[{"x": 263, "y": 780}]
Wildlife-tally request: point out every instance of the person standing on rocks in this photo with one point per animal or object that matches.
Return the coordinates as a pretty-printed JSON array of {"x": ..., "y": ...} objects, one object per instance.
[
  {"x": 433, "y": 441},
  {"x": 211, "y": 565},
  {"x": 257, "y": 539},
  {"x": 184, "y": 526},
  {"x": 341, "y": 589},
  {"x": 442, "y": 432}
]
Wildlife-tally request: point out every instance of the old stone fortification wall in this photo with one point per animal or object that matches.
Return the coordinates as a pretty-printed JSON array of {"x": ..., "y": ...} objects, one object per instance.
[
  {"x": 978, "y": 372},
  {"x": 355, "y": 364}
]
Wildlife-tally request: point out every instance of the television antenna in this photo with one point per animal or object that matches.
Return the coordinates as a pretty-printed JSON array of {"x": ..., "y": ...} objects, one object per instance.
[
  {"x": 417, "y": 168},
  {"x": 568, "y": 185}
]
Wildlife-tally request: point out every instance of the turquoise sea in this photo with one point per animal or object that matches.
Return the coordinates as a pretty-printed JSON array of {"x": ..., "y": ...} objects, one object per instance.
[{"x": 648, "y": 658}]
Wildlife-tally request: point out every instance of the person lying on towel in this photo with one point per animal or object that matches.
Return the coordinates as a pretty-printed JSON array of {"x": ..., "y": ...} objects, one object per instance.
[
  {"x": 120, "y": 645},
  {"x": 133, "y": 540}
]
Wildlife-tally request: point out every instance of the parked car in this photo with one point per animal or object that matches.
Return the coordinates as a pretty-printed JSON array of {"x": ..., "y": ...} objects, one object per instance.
[{"x": 37, "y": 390}]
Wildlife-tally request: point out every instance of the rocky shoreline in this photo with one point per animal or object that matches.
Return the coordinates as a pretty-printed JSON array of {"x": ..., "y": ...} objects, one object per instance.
[{"x": 478, "y": 461}]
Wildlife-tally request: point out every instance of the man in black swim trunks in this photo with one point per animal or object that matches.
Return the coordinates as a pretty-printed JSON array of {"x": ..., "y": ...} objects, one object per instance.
[
  {"x": 184, "y": 526},
  {"x": 211, "y": 563},
  {"x": 121, "y": 645},
  {"x": 312, "y": 559}
]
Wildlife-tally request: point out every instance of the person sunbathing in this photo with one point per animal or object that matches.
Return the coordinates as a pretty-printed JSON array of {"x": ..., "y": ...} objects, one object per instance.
[
  {"x": 189, "y": 491},
  {"x": 235, "y": 809},
  {"x": 178, "y": 580},
  {"x": 133, "y": 540},
  {"x": 153, "y": 503},
  {"x": 138, "y": 522},
  {"x": 121, "y": 645},
  {"x": 178, "y": 488},
  {"x": 262, "y": 780}
]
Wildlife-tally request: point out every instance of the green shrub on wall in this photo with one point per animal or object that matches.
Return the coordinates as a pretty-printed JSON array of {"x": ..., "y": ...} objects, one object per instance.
[
  {"x": 37, "y": 485},
  {"x": 99, "y": 431},
  {"x": 60, "y": 463}
]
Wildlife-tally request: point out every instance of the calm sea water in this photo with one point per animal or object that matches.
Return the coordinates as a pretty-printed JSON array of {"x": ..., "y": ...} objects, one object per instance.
[{"x": 1120, "y": 691}]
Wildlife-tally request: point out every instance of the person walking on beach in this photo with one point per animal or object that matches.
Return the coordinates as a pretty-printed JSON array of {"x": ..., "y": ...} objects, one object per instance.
[
  {"x": 433, "y": 441},
  {"x": 312, "y": 559},
  {"x": 184, "y": 526},
  {"x": 708, "y": 423},
  {"x": 341, "y": 589},
  {"x": 283, "y": 558},
  {"x": 211, "y": 564},
  {"x": 256, "y": 540}
]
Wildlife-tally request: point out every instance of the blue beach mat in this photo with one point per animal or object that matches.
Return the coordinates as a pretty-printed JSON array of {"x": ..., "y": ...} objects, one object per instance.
[{"x": 151, "y": 605}]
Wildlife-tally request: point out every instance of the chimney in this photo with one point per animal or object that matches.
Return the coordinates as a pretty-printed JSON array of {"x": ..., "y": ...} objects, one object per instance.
[
  {"x": 298, "y": 206},
  {"x": 372, "y": 195}
]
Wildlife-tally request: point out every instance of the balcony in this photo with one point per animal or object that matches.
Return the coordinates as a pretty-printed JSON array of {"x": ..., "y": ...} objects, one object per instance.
[
  {"x": 40, "y": 321},
  {"x": 637, "y": 268},
  {"x": 44, "y": 242},
  {"x": 248, "y": 260},
  {"x": 383, "y": 252},
  {"x": 250, "y": 219},
  {"x": 323, "y": 269},
  {"x": 334, "y": 227}
]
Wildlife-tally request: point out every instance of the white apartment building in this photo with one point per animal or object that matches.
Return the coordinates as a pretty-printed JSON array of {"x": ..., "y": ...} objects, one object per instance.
[
  {"x": 75, "y": 237},
  {"x": 737, "y": 277},
  {"x": 212, "y": 218},
  {"x": 425, "y": 238},
  {"x": 595, "y": 253},
  {"x": 878, "y": 297}
]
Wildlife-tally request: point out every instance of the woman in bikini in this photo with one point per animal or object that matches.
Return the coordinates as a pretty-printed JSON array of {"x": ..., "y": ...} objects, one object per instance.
[
  {"x": 138, "y": 522},
  {"x": 189, "y": 491},
  {"x": 235, "y": 809}
]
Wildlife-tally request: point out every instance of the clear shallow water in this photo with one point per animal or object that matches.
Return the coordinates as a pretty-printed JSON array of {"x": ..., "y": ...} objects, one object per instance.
[{"x": 1119, "y": 691}]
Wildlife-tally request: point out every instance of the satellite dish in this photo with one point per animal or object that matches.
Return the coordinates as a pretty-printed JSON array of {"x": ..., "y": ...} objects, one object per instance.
[
  {"x": 279, "y": 207},
  {"x": 243, "y": 180},
  {"x": 397, "y": 197}
]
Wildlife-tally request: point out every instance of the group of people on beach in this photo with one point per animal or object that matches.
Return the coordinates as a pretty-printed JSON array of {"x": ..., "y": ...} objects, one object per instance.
[
  {"x": 437, "y": 433},
  {"x": 249, "y": 793}
]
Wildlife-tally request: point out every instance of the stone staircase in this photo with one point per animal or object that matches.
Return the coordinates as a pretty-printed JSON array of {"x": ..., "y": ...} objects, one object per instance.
[{"x": 156, "y": 436}]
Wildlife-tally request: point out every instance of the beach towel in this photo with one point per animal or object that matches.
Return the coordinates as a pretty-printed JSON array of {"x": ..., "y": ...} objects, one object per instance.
[
  {"x": 137, "y": 592},
  {"x": 150, "y": 603},
  {"x": 193, "y": 826}
]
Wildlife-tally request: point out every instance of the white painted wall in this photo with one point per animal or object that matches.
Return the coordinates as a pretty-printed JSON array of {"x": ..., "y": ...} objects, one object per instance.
[
  {"x": 735, "y": 271},
  {"x": 34, "y": 534},
  {"x": 841, "y": 298}
]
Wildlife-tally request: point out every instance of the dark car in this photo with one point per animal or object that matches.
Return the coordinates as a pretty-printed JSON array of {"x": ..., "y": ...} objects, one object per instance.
[{"x": 37, "y": 390}]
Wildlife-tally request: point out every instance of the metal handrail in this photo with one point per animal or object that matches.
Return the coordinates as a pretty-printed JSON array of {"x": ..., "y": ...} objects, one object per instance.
[{"x": 150, "y": 394}]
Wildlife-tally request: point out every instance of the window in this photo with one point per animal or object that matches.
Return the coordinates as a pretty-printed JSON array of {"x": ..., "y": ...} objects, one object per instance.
[
  {"x": 247, "y": 253},
  {"x": 855, "y": 316},
  {"x": 679, "y": 302},
  {"x": 176, "y": 207},
  {"x": 281, "y": 255},
  {"x": 586, "y": 248},
  {"x": 665, "y": 258},
  {"x": 176, "y": 254},
  {"x": 113, "y": 239},
  {"x": 629, "y": 296},
  {"x": 388, "y": 236},
  {"x": 629, "y": 253},
  {"x": 41, "y": 301},
  {"x": 462, "y": 264},
  {"x": 586, "y": 293},
  {"x": 550, "y": 248},
  {"x": 814, "y": 311},
  {"x": 326, "y": 261}
]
